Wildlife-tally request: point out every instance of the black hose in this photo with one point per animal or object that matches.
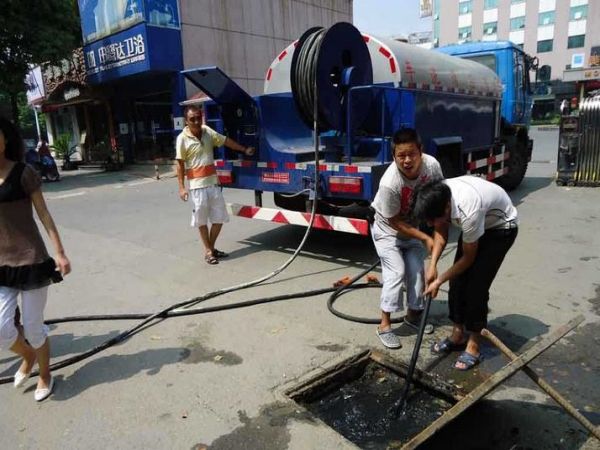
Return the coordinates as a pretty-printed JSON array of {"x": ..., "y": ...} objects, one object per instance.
[
  {"x": 147, "y": 318},
  {"x": 348, "y": 287},
  {"x": 304, "y": 78}
]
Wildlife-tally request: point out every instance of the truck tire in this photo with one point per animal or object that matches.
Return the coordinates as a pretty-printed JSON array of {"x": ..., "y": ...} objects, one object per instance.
[{"x": 516, "y": 164}]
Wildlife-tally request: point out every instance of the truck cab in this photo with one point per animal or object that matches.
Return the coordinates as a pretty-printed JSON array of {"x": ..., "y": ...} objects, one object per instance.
[{"x": 512, "y": 65}]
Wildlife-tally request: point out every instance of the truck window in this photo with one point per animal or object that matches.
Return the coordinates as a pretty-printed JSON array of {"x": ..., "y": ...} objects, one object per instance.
[{"x": 488, "y": 61}]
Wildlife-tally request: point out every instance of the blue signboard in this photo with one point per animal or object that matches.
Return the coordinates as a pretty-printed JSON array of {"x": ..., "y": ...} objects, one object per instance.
[
  {"x": 101, "y": 18},
  {"x": 135, "y": 50}
]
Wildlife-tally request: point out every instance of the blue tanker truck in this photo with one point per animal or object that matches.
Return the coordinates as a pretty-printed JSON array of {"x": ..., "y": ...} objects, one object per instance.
[{"x": 470, "y": 103}]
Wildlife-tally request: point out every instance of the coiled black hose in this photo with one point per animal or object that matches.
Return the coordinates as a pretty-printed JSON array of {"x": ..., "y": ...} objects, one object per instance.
[{"x": 303, "y": 77}]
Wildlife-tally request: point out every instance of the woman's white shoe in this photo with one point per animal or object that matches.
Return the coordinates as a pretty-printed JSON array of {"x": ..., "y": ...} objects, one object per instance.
[
  {"x": 20, "y": 378},
  {"x": 41, "y": 394}
]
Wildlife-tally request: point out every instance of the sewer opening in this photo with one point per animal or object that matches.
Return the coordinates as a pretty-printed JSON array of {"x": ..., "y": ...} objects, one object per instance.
[{"x": 356, "y": 398}]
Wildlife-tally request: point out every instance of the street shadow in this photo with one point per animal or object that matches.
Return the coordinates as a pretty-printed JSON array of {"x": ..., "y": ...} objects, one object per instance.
[
  {"x": 109, "y": 369},
  {"x": 62, "y": 345},
  {"x": 528, "y": 186},
  {"x": 509, "y": 424},
  {"x": 339, "y": 248}
]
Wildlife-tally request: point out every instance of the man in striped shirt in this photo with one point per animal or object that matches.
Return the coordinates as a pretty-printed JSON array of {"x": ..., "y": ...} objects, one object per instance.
[{"x": 195, "y": 160}]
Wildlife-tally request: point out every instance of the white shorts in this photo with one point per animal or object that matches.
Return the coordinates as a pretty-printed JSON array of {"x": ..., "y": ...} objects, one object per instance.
[{"x": 209, "y": 206}]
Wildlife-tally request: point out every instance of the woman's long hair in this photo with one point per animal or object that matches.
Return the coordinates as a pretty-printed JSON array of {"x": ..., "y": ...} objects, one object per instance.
[{"x": 15, "y": 150}]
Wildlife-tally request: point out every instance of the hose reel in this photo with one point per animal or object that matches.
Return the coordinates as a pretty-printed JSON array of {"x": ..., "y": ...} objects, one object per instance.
[{"x": 334, "y": 60}]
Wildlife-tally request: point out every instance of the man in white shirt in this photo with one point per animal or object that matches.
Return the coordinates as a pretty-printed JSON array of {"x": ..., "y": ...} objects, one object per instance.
[
  {"x": 398, "y": 242},
  {"x": 488, "y": 222},
  {"x": 195, "y": 160}
]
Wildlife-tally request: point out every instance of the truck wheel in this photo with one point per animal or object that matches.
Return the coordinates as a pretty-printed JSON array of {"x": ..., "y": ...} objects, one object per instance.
[{"x": 516, "y": 164}]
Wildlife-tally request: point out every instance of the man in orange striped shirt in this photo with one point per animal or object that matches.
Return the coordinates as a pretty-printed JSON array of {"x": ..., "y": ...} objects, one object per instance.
[{"x": 195, "y": 160}]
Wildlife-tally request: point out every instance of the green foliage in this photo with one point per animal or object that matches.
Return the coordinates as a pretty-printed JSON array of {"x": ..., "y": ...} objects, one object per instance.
[
  {"x": 62, "y": 147},
  {"x": 33, "y": 32}
]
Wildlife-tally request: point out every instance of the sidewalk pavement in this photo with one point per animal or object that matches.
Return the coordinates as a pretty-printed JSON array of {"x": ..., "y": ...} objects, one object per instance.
[{"x": 151, "y": 170}]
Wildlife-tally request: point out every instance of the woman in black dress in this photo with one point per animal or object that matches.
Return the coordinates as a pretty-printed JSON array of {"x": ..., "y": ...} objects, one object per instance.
[{"x": 26, "y": 269}]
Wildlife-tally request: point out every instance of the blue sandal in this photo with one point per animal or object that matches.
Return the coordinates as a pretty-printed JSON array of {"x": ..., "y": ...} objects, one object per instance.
[
  {"x": 446, "y": 346},
  {"x": 468, "y": 360}
]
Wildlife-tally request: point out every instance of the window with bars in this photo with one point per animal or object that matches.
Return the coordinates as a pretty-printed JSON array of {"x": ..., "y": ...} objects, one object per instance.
[
  {"x": 576, "y": 41},
  {"x": 545, "y": 46},
  {"x": 517, "y": 23}
]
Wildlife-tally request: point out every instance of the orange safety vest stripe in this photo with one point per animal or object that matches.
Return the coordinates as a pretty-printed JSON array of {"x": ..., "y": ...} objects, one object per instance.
[{"x": 201, "y": 171}]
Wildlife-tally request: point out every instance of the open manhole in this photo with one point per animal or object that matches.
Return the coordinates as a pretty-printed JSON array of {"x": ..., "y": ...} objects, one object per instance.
[{"x": 355, "y": 398}]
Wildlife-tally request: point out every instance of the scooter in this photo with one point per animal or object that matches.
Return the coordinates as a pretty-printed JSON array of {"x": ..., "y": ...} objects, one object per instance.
[{"x": 44, "y": 164}]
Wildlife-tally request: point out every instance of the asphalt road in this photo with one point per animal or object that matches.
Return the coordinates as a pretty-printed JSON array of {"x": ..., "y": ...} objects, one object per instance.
[{"x": 219, "y": 379}]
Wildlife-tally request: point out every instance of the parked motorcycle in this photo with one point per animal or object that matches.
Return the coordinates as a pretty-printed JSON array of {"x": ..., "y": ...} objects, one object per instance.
[{"x": 43, "y": 162}]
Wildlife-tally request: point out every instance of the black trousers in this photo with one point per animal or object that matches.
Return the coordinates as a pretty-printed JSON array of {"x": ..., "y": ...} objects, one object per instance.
[{"x": 469, "y": 292}]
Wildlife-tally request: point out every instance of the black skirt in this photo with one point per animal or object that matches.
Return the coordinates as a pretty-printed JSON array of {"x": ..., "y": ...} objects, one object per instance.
[{"x": 32, "y": 276}]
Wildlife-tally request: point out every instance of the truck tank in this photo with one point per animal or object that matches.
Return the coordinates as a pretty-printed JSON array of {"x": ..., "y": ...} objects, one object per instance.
[{"x": 398, "y": 64}]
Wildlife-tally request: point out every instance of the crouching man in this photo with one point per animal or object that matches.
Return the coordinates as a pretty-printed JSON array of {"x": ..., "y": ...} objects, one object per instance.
[{"x": 488, "y": 223}]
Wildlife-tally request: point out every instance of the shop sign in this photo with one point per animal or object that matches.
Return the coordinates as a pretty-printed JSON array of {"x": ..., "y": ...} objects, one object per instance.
[
  {"x": 117, "y": 54},
  {"x": 71, "y": 94},
  {"x": 69, "y": 69},
  {"x": 591, "y": 74}
]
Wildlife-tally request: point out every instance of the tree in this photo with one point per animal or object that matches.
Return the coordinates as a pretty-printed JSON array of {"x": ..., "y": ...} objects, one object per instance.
[{"x": 33, "y": 32}]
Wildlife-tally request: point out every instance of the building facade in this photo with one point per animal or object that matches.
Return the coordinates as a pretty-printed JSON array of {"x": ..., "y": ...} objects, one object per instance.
[
  {"x": 135, "y": 49},
  {"x": 563, "y": 34},
  {"x": 122, "y": 93}
]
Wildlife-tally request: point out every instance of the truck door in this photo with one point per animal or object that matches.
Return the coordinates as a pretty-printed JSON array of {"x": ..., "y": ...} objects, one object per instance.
[{"x": 238, "y": 110}]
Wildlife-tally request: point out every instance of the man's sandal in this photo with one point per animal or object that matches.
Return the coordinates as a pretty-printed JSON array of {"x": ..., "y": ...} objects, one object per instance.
[
  {"x": 468, "y": 360},
  {"x": 210, "y": 259},
  {"x": 446, "y": 346}
]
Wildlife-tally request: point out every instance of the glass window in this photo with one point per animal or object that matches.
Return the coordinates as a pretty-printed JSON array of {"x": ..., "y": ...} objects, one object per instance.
[
  {"x": 546, "y": 18},
  {"x": 544, "y": 46},
  {"x": 490, "y": 28},
  {"x": 490, "y": 4},
  {"x": 465, "y": 7},
  {"x": 488, "y": 61},
  {"x": 578, "y": 12},
  {"x": 576, "y": 41},
  {"x": 517, "y": 23},
  {"x": 516, "y": 1},
  {"x": 464, "y": 33}
]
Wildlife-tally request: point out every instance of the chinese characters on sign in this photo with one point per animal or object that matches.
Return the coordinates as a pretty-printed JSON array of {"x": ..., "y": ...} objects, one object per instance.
[{"x": 117, "y": 54}]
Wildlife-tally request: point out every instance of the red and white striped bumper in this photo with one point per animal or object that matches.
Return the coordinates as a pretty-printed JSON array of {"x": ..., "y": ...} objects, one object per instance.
[{"x": 333, "y": 223}]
